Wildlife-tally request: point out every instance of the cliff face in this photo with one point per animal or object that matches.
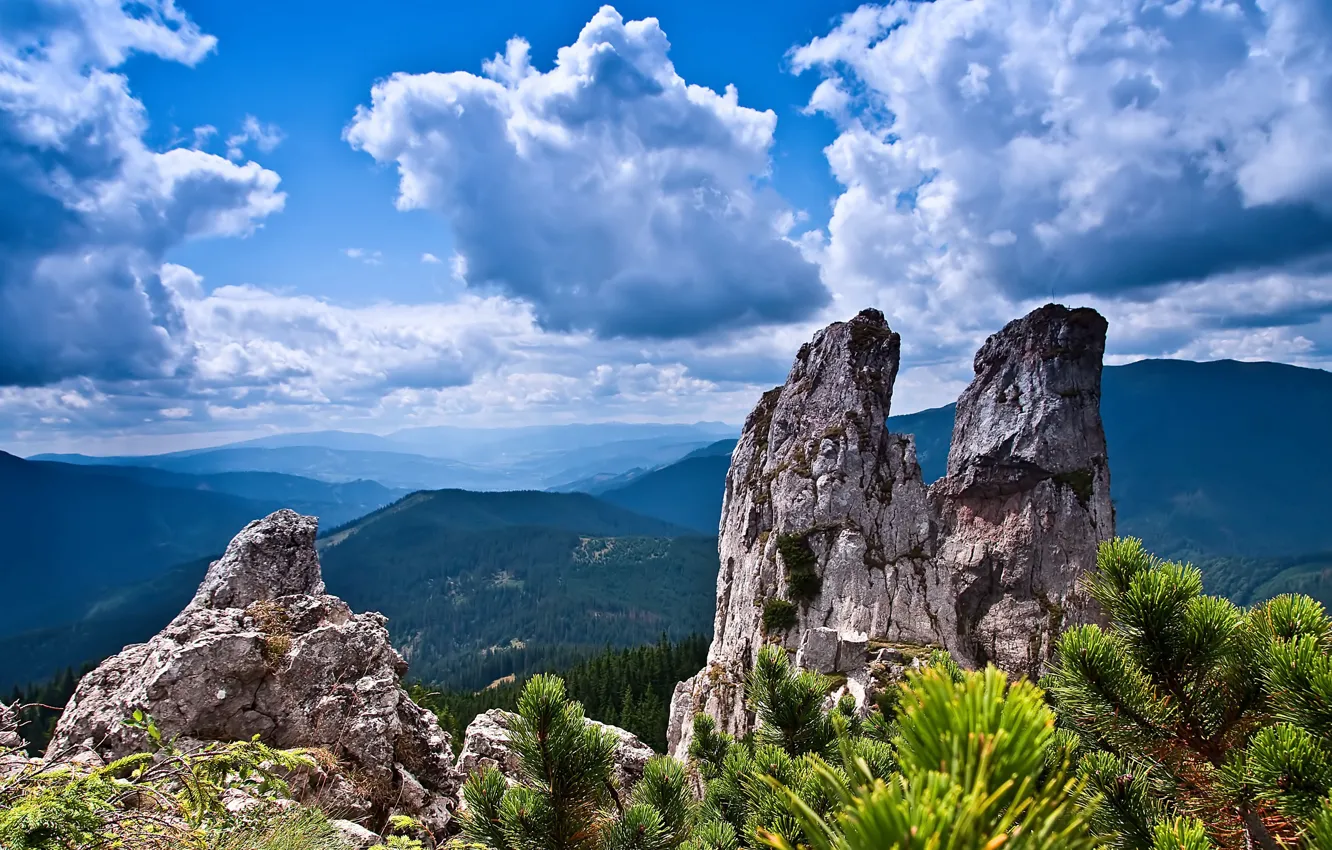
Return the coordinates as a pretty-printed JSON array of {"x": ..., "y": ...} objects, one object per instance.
[{"x": 831, "y": 543}]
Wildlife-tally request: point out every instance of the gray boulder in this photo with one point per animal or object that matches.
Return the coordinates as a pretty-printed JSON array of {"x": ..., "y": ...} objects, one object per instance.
[{"x": 261, "y": 650}]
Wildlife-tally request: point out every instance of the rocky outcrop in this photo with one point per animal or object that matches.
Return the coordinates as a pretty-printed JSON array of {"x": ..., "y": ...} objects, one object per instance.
[
  {"x": 832, "y": 545},
  {"x": 486, "y": 744},
  {"x": 1027, "y": 495},
  {"x": 262, "y": 650}
]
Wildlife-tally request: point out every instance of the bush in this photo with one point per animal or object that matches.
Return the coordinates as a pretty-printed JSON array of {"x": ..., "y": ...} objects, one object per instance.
[{"x": 778, "y": 615}]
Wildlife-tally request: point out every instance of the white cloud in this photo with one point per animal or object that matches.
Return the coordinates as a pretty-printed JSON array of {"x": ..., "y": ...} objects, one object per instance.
[
  {"x": 430, "y": 258},
  {"x": 999, "y": 153},
  {"x": 202, "y": 135},
  {"x": 88, "y": 211},
  {"x": 608, "y": 192},
  {"x": 370, "y": 258},
  {"x": 265, "y": 137}
]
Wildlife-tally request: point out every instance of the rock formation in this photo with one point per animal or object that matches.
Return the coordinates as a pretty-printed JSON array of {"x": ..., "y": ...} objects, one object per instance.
[
  {"x": 831, "y": 543},
  {"x": 485, "y": 744},
  {"x": 262, "y": 650}
]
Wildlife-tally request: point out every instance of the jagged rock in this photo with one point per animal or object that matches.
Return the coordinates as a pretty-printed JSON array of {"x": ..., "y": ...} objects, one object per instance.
[
  {"x": 486, "y": 744},
  {"x": 1027, "y": 495},
  {"x": 271, "y": 557},
  {"x": 852, "y": 651},
  {"x": 10, "y": 739},
  {"x": 827, "y": 524},
  {"x": 262, "y": 651},
  {"x": 13, "y": 756}
]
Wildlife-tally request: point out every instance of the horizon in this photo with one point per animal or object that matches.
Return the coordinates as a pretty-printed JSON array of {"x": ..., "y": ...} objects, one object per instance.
[{"x": 230, "y": 221}]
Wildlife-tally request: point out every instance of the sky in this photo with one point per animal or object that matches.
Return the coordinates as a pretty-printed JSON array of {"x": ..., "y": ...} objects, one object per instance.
[{"x": 226, "y": 218}]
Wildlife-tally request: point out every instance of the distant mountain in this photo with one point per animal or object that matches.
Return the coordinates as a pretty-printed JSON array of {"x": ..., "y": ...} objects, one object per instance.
[
  {"x": 475, "y": 585},
  {"x": 71, "y": 534},
  {"x": 333, "y": 503},
  {"x": 688, "y": 492},
  {"x": 536, "y": 440},
  {"x": 391, "y": 469},
  {"x": 445, "y": 457}
]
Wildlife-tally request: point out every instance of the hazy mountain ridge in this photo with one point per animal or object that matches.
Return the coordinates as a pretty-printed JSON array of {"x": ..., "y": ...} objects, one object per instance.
[{"x": 538, "y": 457}]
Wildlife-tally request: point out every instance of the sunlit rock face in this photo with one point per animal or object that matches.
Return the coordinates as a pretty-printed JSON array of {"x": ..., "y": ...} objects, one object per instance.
[
  {"x": 262, "y": 650},
  {"x": 831, "y": 542}
]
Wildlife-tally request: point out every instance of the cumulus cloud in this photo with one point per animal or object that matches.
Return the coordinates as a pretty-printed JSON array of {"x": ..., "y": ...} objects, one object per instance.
[
  {"x": 370, "y": 258},
  {"x": 265, "y": 137},
  {"x": 607, "y": 192},
  {"x": 430, "y": 259},
  {"x": 87, "y": 211},
  {"x": 1125, "y": 152}
]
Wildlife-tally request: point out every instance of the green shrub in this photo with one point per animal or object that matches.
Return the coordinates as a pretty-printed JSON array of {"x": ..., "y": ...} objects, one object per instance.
[
  {"x": 800, "y": 566},
  {"x": 778, "y": 615}
]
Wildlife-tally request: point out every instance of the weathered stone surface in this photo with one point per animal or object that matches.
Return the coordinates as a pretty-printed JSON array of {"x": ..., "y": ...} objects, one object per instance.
[
  {"x": 271, "y": 557},
  {"x": 818, "y": 650},
  {"x": 1027, "y": 495},
  {"x": 852, "y": 651},
  {"x": 825, "y": 510},
  {"x": 354, "y": 835},
  {"x": 298, "y": 668},
  {"x": 485, "y": 744},
  {"x": 13, "y": 756},
  {"x": 10, "y": 739}
]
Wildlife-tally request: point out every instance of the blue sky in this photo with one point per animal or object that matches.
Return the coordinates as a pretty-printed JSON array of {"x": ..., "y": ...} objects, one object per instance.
[{"x": 223, "y": 219}]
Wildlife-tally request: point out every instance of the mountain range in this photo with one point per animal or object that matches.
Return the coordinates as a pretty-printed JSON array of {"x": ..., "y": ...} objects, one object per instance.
[
  {"x": 537, "y": 457},
  {"x": 73, "y": 534},
  {"x": 476, "y": 586},
  {"x": 1223, "y": 463}
]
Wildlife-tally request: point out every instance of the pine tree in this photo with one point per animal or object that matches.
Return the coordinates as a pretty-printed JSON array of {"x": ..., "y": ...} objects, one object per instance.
[
  {"x": 1197, "y": 722},
  {"x": 565, "y": 798}
]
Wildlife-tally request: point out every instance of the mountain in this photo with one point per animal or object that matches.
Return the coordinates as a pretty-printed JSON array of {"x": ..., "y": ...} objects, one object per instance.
[
  {"x": 334, "y": 504},
  {"x": 687, "y": 492},
  {"x": 73, "y": 533},
  {"x": 476, "y": 586},
  {"x": 392, "y": 469},
  {"x": 444, "y": 457}
]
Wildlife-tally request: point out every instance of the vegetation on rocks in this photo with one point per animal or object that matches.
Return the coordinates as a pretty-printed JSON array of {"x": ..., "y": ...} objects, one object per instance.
[
  {"x": 628, "y": 688},
  {"x": 164, "y": 798}
]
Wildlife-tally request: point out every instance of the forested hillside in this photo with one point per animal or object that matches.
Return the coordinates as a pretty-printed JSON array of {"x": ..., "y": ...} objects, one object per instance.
[
  {"x": 629, "y": 688},
  {"x": 72, "y": 535},
  {"x": 688, "y": 492},
  {"x": 478, "y": 586}
]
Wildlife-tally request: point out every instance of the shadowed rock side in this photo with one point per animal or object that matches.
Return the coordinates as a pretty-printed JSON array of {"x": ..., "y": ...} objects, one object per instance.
[
  {"x": 261, "y": 650},
  {"x": 830, "y": 541}
]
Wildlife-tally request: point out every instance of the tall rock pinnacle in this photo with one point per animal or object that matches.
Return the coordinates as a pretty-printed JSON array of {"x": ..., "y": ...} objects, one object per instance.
[
  {"x": 830, "y": 541},
  {"x": 1027, "y": 495}
]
